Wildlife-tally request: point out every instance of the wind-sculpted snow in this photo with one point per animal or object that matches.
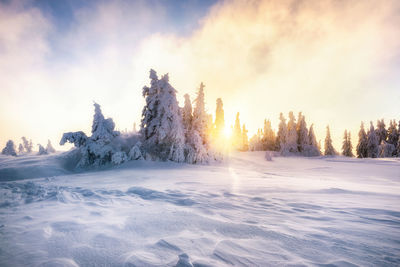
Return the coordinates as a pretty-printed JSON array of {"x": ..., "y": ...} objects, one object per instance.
[{"x": 246, "y": 212}]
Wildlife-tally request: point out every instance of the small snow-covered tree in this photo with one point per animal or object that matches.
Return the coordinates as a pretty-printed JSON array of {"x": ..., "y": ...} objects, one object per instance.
[
  {"x": 99, "y": 148},
  {"x": 372, "y": 142},
  {"x": 302, "y": 133},
  {"x": 292, "y": 134},
  {"x": 9, "y": 149},
  {"x": 312, "y": 148},
  {"x": 21, "y": 149},
  {"x": 329, "y": 149},
  {"x": 282, "y": 137},
  {"x": 386, "y": 150},
  {"x": 27, "y": 145},
  {"x": 347, "y": 147},
  {"x": 42, "y": 150},
  {"x": 49, "y": 147},
  {"x": 362, "y": 149},
  {"x": 255, "y": 142},
  {"x": 268, "y": 138}
]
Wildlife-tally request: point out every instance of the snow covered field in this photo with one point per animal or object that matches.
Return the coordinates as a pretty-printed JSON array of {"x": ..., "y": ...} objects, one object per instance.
[{"x": 243, "y": 212}]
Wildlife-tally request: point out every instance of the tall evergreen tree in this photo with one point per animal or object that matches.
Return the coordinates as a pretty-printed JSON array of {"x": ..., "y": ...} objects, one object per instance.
[
  {"x": 381, "y": 132},
  {"x": 372, "y": 142},
  {"x": 245, "y": 139},
  {"x": 329, "y": 149},
  {"x": 393, "y": 136},
  {"x": 362, "y": 146},
  {"x": 161, "y": 127},
  {"x": 200, "y": 117},
  {"x": 282, "y": 137},
  {"x": 187, "y": 115},
  {"x": 237, "y": 139},
  {"x": 347, "y": 147},
  {"x": 302, "y": 133},
  {"x": 28, "y": 146},
  {"x": 219, "y": 119},
  {"x": 292, "y": 133}
]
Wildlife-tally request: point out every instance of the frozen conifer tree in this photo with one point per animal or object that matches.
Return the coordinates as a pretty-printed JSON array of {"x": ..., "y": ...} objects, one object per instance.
[
  {"x": 9, "y": 149},
  {"x": 292, "y": 133},
  {"x": 381, "y": 132},
  {"x": 237, "y": 133},
  {"x": 219, "y": 119},
  {"x": 245, "y": 142},
  {"x": 393, "y": 136},
  {"x": 21, "y": 149},
  {"x": 200, "y": 117},
  {"x": 50, "y": 148},
  {"x": 347, "y": 147},
  {"x": 302, "y": 133},
  {"x": 268, "y": 138},
  {"x": 161, "y": 128},
  {"x": 42, "y": 150},
  {"x": 27, "y": 145},
  {"x": 386, "y": 150},
  {"x": 282, "y": 137},
  {"x": 362, "y": 150},
  {"x": 372, "y": 142},
  {"x": 187, "y": 116},
  {"x": 312, "y": 149},
  {"x": 329, "y": 149}
]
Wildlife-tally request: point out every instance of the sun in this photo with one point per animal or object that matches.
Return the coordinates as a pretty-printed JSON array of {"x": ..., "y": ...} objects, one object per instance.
[{"x": 227, "y": 132}]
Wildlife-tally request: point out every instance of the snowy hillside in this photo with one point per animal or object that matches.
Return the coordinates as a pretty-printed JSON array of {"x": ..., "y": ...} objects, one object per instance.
[{"x": 244, "y": 212}]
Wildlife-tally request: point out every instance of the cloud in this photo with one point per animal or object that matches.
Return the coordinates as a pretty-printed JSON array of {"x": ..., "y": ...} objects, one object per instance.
[{"x": 333, "y": 60}]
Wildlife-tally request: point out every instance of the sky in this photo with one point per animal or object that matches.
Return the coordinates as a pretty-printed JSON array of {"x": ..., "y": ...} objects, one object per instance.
[{"x": 337, "y": 61}]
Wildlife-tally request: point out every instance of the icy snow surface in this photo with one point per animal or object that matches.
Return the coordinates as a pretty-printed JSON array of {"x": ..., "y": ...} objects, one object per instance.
[{"x": 244, "y": 212}]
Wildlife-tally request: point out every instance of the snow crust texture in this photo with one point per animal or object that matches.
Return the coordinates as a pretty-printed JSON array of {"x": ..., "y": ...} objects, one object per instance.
[{"x": 246, "y": 212}]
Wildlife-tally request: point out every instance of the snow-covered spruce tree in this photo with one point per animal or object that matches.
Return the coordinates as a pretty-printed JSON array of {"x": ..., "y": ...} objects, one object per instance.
[
  {"x": 42, "y": 150},
  {"x": 161, "y": 127},
  {"x": 201, "y": 119},
  {"x": 386, "y": 150},
  {"x": 98, "y": 149},
  {"x": 312, "y": 149},
  {"x": 393, "y": 136},
  {"x": 362, "y": 150},
  {"x": 268, "y": 138},
  {"x": 329, "y": 149},
  {"x": 302, "y": 133},
  {"x": 49, "y": 147},
  {"x": 219, "y": 119},
  {"x": 21, "y": 149},
  {"x": 292, "y": 134},
  {"x": 187, "y": 116},
  {"x": 195, "y": 150},
  {"x": 381, "y": 132},
  {"x": 282, "y": 137},
  {"x": 27, "y": 145},
  {"x": 372, "y": 142},
  {"x": 347, "y": 147},
  {"x": 245, "y": 139},
  {"x": 9, "y": 149},
  {"x": 237, "y": 140}
]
